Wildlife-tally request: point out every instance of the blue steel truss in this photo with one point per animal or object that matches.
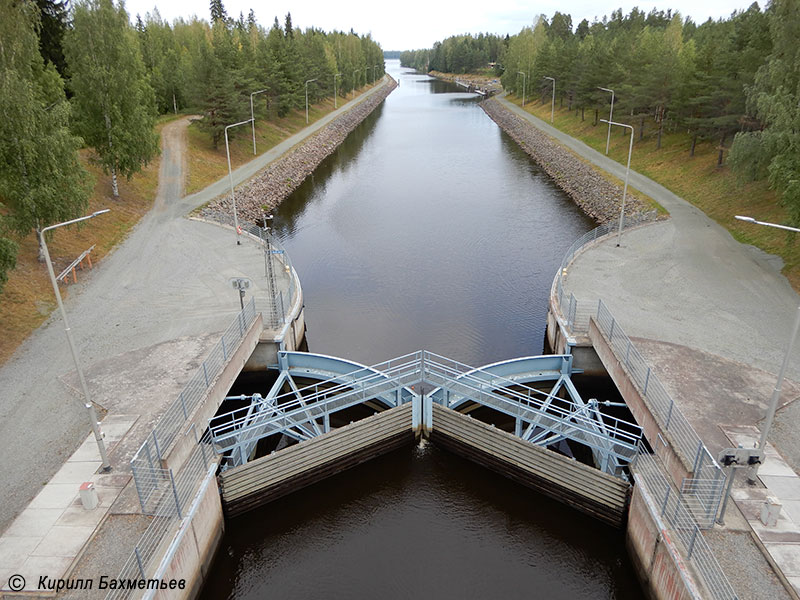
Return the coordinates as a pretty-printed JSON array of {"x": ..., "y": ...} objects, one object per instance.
[{"x": 543, "y": 418}]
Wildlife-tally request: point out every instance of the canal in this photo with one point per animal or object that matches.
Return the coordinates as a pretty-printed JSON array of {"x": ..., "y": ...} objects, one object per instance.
[{"x": 428, "y": 228}]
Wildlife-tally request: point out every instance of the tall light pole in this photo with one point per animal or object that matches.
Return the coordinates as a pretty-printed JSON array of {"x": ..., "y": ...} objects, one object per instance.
[
  {"x": 98, "y": 435},
  {"x": 354, "y": 81},
  {"x": 610, "y": 116},
  {"x": 307, "y": 82},
  {"x": 627, "y": 172},
  {"x": 523, "y": 87},
  {"x": 553, "y": 103},
  {"x": 335, "y": 98},
  {"x": 773, "y": 404},
  {"x": 230, "y": 176},
  {"x": 253, "y": 117}
]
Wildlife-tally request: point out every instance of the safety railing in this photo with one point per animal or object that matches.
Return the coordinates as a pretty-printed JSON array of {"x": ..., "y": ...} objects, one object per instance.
[
  {"x": 708, "y": 477},
  {"x": 146, "y": 465},
  {"x": 173, "y": 502},
  {"x": 678, "y": 516},
  {"x": 276, "y": 304}
]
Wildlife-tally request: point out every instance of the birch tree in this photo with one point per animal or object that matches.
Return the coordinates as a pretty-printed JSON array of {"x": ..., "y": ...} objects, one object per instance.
[{"x": 113, "y": 100}]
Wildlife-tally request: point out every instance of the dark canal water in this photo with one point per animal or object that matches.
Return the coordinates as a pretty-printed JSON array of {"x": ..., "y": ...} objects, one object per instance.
[{"x": 428, "y": 228}]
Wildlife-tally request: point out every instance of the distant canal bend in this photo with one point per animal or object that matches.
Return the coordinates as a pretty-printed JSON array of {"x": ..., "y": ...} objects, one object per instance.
[{"x": 428, "y": 228}]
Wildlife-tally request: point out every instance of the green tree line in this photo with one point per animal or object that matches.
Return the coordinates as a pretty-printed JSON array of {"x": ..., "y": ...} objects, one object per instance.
[
  {"x": 458, "y": 54},
  {"x": 732, "y": 81},
  {"x": 81, "y": 75}
]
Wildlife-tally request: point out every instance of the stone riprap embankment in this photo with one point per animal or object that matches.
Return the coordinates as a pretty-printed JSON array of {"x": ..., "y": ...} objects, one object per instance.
[
  {"x": 597, "y": 196},
  {"x": 272, "y": 185}
]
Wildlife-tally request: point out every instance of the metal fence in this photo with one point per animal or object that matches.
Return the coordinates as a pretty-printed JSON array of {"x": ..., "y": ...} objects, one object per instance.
[
  {"x": 150, "y": 479},
  {"x": 171, "y": 504},
  {"x": 704, "y": 490},
  {"x": 678, "y": 517}
]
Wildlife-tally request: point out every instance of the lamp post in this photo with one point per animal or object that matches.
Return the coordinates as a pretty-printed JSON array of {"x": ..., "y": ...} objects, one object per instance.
[
  {"x": 98, "y": 435},
  {"x": 307, "y": 82},
  {"x": 627, "y": 172},
  {"x": 335, "y": 98},
  {"x": 610, "y": 116},
  {"x": 253, "y": 117},
  {"x": 553, "y": 103},
  {"x": 773, "y": 404},
  {"x": 230, "y": 177},
  {"x": 523, "y": 87}
]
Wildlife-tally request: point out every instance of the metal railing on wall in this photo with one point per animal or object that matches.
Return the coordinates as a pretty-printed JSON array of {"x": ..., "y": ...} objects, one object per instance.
[
  {"x": 694, "y": 507},
  {"x": 150, "y": 478}
]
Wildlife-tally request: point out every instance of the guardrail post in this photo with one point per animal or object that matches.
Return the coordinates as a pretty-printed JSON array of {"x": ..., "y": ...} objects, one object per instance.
[
  {"x": 611, "y": 334},
  {"x": 666, "y": 499},
  {"x": 175, "y": 493},
  {"x": 158, "y": 450},
  {"x": 697, "y": 457},
  {"x": 139, "y": 562},
  {"x": 691, "y": 544},
  {"x": 138, "y": 487},
  {"x": 669, "y": 413}
]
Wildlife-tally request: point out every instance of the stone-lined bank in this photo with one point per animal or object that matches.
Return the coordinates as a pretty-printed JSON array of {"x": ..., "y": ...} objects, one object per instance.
[
  {"x": 275, "y": 183},
  {"x": 597, "y": 196}
]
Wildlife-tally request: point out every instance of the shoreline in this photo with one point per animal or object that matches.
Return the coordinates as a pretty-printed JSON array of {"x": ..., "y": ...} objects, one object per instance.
[
  {"x": 273, "y": 184},
  {"x": 598, "y": 197}
]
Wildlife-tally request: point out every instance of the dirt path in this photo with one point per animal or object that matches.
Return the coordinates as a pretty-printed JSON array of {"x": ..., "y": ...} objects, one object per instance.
[{"x": 173, "y": 172}]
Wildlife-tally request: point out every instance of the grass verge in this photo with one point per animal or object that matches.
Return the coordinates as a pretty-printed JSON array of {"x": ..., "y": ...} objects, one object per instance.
[
  {"x": 208, "y": 164},
  {"x": 697, "y": 179}
]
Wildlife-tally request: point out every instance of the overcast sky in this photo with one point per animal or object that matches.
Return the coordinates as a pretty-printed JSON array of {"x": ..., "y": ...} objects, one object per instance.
[{"x": 411, "y": 24}]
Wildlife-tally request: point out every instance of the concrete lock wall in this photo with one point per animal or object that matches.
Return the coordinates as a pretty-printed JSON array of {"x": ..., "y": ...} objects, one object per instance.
[
  {"x": 657, "y": 561},
  {"x": 675, "y": 465},
  {"x": 193, "y": 547}
]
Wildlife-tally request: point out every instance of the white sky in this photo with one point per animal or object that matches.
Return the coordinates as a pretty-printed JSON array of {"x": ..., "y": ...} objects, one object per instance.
[{"x": 412, "y": 24}]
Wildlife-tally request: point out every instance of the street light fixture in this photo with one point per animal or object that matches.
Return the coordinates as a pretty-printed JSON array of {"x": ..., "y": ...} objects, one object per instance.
[
  {"x": 773, "y": 404},
  {"x": 627, "y": 172},
  {"x": 610, "y": 116},
  {"x": 230, "y": 177},
  {"x": 307, "y": 82},
  {"x": 523, "y": 87},
  {"x": 553, "y": 103},
  {"x": 253, "y": 117},
  {"x": 98, "y": 435},
  {"x": 335, "y": 99}
]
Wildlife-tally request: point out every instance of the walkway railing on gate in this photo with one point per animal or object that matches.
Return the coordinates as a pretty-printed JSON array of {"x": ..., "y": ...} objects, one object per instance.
[{"x": 150, "y": 479}]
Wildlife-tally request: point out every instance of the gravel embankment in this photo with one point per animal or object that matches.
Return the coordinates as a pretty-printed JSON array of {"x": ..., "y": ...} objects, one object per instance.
[
  {"x": 597, "y": 196},
  {"x": 272, "y": 185}
]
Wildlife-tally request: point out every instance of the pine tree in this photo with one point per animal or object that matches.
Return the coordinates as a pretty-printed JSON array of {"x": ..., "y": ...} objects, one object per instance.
[
  {"x": 41, "y": 179},
  {"x": 114, "y": 103}
]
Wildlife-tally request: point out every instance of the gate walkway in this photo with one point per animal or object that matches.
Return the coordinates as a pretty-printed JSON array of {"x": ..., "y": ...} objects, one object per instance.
[{"x": 543, "y": 417}]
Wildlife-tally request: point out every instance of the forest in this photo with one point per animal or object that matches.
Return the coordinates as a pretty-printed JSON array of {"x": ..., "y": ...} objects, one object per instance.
[
  {"x": 732, "y": 81},
  {"x": 85, "y": 75}
]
